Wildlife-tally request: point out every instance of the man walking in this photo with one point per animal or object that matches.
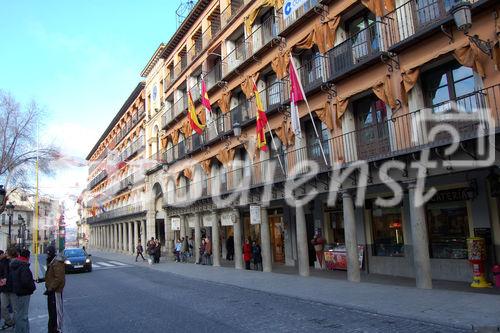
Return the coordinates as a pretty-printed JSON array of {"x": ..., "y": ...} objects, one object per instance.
[
  {"x": 139, "y": 250},
  {"x": 23, "y": 287},
  {"x": 5, "y": 290},
  {"x": 55, "y": 280}
]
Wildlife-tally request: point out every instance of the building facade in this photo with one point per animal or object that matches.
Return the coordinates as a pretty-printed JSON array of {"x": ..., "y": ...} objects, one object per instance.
[
  {"x": 113, "y": 209},
  {"x": 384, "y": 81}
]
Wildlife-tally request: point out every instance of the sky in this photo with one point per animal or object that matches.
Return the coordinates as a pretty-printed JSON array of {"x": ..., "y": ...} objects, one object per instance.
[{"x": 79, "y": 60}]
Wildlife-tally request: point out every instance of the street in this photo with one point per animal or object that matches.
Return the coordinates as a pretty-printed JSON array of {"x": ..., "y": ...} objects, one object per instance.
[{"x": 120, "y": 297}]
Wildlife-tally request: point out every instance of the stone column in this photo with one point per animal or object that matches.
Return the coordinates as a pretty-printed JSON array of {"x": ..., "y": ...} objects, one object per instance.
[
  {"x": 302, "y": 249},
  {"x": 215, "y": 240},
  {"x": 169, "y": 236},
  {"x": 115, "y": 237},
  {"x": 351, "y": 242},
  {"x": 197, "y": 236},
  {"x": 421, "y": 260},
  {"x": 125, "y": 237},
  {"x": 136, "y": 233},
  {"x": 265, "y": 241},
  {"x": 130, "y": 238},
  {"x": 238, "y": 250},
  {"x": 143, "y": 234},
  {"x": 119, "y": 237}
]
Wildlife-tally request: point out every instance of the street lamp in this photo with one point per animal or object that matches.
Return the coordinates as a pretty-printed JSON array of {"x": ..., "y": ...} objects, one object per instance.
[
  {"x": 10, "y": 211},
  {"x": 22, "y": 229},
  {"x": 3, "y": 193}
]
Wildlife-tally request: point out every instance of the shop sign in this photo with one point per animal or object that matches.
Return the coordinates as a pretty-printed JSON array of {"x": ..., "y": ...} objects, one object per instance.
[
  {"x": 191, "y": 221},
  {"x": 338, "y": 259},
  {"x": 208, "y": 220},
  {"x": 459, "y": 194},
  {"x": 290, "y": 6},
  {"x": 254, "y": 214},
  {"x": 176, "y": 223},
  {"x": 227, "y": 219}
]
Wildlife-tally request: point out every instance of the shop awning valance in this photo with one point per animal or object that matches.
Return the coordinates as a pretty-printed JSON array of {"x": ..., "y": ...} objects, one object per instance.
[
  {"x": 175, "y": 136},
  {"x": 285, "y": 133},
  {"x": 250, "y": 19},
  {"x": 188, "y": 173},
  {"x": 280, "y": 64},
  {"x": 322, "y": 35},
  {"x": 380, "y": 7},
  {"x": 247, "y": 84},
  {"x": 325, "y": 115},
  {"x": 383, "y": 90},
  {"x": 251, "y": 149},
  {"x": 186, "y": 129},
  {"x": 469, "y": 56},
  {"x": 224, "y": 101},
  {"x": 225, "y": 156},
  {"x": 163, "y": 142}
]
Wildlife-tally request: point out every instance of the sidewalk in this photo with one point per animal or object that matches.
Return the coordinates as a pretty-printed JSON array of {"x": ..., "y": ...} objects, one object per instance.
[{"x": 447, "y": 307}]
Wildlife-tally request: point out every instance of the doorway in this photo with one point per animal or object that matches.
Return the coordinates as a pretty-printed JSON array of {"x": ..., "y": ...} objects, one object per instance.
[{"x": 277, "y": 238}]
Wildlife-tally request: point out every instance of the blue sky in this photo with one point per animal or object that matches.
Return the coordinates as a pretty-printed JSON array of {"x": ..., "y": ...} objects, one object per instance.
[{"x": 79, "y": 60}]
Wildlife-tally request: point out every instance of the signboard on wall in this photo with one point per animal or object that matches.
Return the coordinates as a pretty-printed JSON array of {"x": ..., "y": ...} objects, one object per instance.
[
  {"x": 290, "y": 6},
  {"x": 176, "y": 223},
  {"x": 191, "y": 221},
  {"x": 208, "y": 220},
  {"x": 227, "y": 219},
  {"x": 254, "y": 214}
]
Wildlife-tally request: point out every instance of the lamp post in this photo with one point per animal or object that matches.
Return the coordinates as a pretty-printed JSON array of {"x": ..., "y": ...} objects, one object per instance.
[
  {"x": 3, "y": 194},
  {"x": 10, "y": 211},
  {"x": 22, "y": 229}
]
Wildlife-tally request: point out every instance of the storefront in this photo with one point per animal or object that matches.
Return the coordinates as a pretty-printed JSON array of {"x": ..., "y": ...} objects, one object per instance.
[{"x": 227, "y": 220}]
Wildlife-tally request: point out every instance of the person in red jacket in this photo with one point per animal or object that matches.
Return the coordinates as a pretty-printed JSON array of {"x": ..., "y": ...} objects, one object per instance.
[{"x": 247, "y": 253}]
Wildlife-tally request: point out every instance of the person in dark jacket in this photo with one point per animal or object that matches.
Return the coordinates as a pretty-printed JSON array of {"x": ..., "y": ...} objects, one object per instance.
[
  {"x": 6, "y": 289},
  {"x": 247, "y": 253},
  {"x": 256, "y": 256},
  {"x": 139, "y": 250},
  {"x": 23, "y": 287}
]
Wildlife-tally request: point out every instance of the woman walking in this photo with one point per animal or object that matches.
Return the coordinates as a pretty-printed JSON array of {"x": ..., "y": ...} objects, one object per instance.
[
  {"x": 256, "y": 256},
  {"x": 247, "y": 253}
]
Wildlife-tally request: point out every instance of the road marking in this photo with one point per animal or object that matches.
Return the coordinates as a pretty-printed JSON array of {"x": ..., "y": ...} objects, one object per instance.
[
  {"x": 118, "y": 263},
  {"x": 95, "y": 265},
  {"x": 105, "y": 264}
]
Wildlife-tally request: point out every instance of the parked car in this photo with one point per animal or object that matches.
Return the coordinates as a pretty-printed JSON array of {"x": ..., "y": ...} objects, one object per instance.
[{"x": 77, "y": 260}]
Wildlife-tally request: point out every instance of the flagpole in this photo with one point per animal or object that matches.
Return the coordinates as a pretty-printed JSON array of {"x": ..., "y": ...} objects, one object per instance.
[
  {"x": 35, "y": 236},
  {"x": 271, "y": 133},
  {"x": 309, "y": 110}
]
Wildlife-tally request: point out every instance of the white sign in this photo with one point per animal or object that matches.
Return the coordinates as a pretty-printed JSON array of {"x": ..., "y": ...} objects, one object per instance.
[
  {"x": 290, "y": 6},
  {"x": 254, "y": 214},
  {"x": 208, "y": 220},
  {"x": 227, "y": 219},
  {"x": 176, "y": 223}
]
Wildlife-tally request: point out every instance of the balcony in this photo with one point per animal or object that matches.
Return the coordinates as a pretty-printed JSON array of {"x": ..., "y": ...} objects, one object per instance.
[
  {"x": 236, "y": 57},
  {"x": 180, "y": 106},
  {"x": 125, "y": 184},
  {"x": 401, "y": 135},
  {"x": 167, "y": 115},
  {"x": 313, "y": 73},
  {"x": 196, "y": 49},
  {"x": 134, "y": 209},
  {"x": 231, "y": 11},
  {"x": 263, "y": 35},
  {"x": 300, "y": 15},
  {"x": 220, "y": 126},
  {"x": 214, "y": 76},
  {"x": 97, "y": 179},
  {"x": 416, "y": 19},
  {"x": 242, "y": 113},
  {"x": 357, "y": 50}
]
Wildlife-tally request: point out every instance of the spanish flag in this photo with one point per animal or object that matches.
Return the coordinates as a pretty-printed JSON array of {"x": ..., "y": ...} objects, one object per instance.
[
  {"x": 195, "y": 123},
  {"x": 261, "y": 121}
]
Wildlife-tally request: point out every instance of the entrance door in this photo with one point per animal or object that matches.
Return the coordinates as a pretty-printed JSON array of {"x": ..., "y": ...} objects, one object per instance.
[{"x": 277, "y": 238}]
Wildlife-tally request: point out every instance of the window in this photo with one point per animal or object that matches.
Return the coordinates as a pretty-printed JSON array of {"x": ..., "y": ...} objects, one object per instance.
[
  {"x": 239, "y": 46},
  {"x": 273, "y": 90},
  {"x": 446, "y": 83},
  {"x": 448, "y": 229},
  {"x": 387, "y": 228},
  {"x": 364, "y": 36}
]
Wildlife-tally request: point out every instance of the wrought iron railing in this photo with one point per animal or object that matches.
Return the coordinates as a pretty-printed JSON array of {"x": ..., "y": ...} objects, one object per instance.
[
  {"x": 214, "y": 75},
  {"x": 313, "y": 73},
  {"x": 237, "y": 56},
  {"x": 263, "y": 34},
  {"x": 117, "y": 212},
  {"x": 300, "y": 12},
  {"x": 230, "y": 11},
  {"x": 98, "y": 179}
]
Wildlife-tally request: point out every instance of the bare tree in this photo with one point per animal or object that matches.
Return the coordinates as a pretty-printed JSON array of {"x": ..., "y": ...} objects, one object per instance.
[{"x": 18, "y": 143}]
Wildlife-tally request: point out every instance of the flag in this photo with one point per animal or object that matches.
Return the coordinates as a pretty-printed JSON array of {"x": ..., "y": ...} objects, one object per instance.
[
  {"x": 261, "y": 120},
  {"x": 296, "y": 95},
  {"x": 208, "y": 107},
  {"x": 195, "y": 123}
]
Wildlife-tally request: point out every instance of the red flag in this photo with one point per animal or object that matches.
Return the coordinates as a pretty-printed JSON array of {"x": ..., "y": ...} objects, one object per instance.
[
  {"x": 195, "y": 123},
  {"x": 204, "y": 97},
  {"x": 296, "y": 95}
]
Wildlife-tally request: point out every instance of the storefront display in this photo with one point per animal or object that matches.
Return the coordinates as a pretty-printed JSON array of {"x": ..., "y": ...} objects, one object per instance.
[
  {"x": 387, "y": 228},
  {"x": 336, "y": 257}
]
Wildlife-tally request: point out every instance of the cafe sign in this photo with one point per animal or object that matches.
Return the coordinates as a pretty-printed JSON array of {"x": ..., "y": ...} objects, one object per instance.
[
  {"x": 458, "y": 194},
  {"x": 290, "y": 6},
  {"x": 227, "y": 219},
  {"x": 254, "y": 214},
  {"x": 176, "y": 223}
]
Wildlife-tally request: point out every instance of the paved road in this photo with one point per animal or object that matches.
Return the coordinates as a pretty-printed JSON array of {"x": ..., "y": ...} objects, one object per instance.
[{"x": 124, "y": 298}]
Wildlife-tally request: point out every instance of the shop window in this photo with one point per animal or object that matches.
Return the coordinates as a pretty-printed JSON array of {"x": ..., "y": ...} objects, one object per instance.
[
  {"x": 450, "y": 87},
  {"x": 334, "y": 231},
  {"x": 387, "y": 227},
  {"x": 448, "y": 230}
]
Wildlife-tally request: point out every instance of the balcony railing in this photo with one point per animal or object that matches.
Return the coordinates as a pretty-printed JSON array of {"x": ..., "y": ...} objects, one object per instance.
[
  {"x": 358, "y": 48},
  {"x": 180, "y": 105},
  {"x": 98, "y": 179},
  {"x": 300, "y": 12},
  {"x": 231, "y": 10},
  {"x": 400, "y": 135},
  {"x": 168, "y": 115},
  {"x": 214, "y": 75},
  {"x": 125, "y": 184},
  {"x": 237, "y": 56},
  {"x": 264, "y": 34},
  {"x": 313, "y": 73},
  {"x": 242, "y": 113},
  {"x": 415, "y": 17},
  {"x": 196, "y": 49},
  {"x": 117, "y": 212}
]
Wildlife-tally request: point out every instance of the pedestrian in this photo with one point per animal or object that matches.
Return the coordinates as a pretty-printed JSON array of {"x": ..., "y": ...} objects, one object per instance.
[
  {"x": 150, "y": 246},
  {"x": 256, "y": 256},
  {"x": 191, "y": 246},
  {"x": 247, "y": 253},
  {"x": 139, "y": 250},
  {"x": 6, "y": 295},
  {"x": 54, "y": 284},
  {"x": 185, "y": 249},
  {"x": 230, "y": 248},
  {"x": 157, "y": 251},
  {"x": 23, "y": 287},
  {"x": 177, "y": 250},
  {"x": 202, "y": 252},
  {"x": 208, "y": 251}
]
